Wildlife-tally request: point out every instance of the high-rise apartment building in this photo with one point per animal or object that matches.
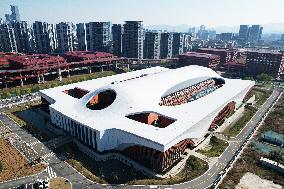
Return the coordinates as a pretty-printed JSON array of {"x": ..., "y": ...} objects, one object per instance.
[
  {"x": 14, "y": 16},
  {"x": 178, "y": 44},
  {"x": 44, "y": 37},
  {"x": 117, "y": 39},
  {"x": 152, "y": 45},
  {"x": 282, "y": 37},
  {"x": 66, "y": 38},
  {"x": 23, "y": 36},
  {"x": 250, "y": 34},
  {"x": 255, "y": 33},
  {"x": 7, "y": 39},
  {"x": 226, "y": 36},
  {"x": 186, "y": 43},
  {"x": 98, "y": 36},
  {"x": 132, "y": 39},
  {"x": 81, "y": 36},
  {"x": 244, "y": 33},
  {"x": 166, "y": 45}
]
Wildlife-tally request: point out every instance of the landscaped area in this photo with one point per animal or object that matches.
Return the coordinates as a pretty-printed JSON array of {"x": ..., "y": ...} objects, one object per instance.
[
  {"x": 13, "y": 164},
  {"x": 13, "y": 113},
  {"x": 194, "y": 168},
  {"x": 260, "y": 97},
  {"x": 216, "y": 147},
  {"x": 115, "y": 172},
  {"x": 59, "y": 183},
  {"x": 241, "y": 123},
  {"x": 111, "y": 171},
  {"x": 32, "y": 88},
  {"x": 249, "y": 160}
]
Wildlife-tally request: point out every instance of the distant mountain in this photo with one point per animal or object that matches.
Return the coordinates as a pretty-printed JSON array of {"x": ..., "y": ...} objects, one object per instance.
[
  {"x": 178, "y": 28},
  {"x": 277, "y": 28}
]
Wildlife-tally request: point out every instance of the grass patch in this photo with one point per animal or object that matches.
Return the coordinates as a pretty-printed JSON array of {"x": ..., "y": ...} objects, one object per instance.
[
  {"x": 88, "y": 174},
  {"x": 59, "y": 183},
  {"x": 260, "y": 98},
  {"x": 217, "y": 147},
  {"x": 240, "y": 124},
  {"x": 194, "y": 168},
  {"x": 111, "y": 171}
]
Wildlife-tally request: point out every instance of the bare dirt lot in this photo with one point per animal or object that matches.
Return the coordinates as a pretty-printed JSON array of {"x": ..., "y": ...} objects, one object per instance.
[
  {"x": 59, "y": 183},
  {"x": 14, "y": 164},
  {"x": 251, "y": 181}
]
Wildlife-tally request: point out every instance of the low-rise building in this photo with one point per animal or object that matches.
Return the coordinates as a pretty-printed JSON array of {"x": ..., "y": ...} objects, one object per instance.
[
  {"x": 264, "y": 61},
  {"x": 201, "y": 59},
  {"x": 226, "y": 55}
]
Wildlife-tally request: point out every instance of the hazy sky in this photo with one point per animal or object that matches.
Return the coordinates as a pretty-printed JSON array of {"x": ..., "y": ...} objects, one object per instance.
[{"x": 172, "y": 12}]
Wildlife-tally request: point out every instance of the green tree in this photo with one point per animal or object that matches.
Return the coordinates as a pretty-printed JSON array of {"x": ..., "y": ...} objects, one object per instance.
[
  {"x": 248, "y": 78},
  {"x": 17, "y": 91},
  {"x": 193, "y": 162},
  {"x": 264, "y": 77},
  {"x": 35, "y": 89},
  {"x": 7, "y": 94}
]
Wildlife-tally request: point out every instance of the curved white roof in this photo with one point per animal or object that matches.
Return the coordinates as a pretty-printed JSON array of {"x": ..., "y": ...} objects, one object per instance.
[{"x": 143, "y": 94}]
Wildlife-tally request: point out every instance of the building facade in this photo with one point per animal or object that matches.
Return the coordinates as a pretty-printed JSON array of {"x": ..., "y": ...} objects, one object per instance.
[
  {"x": 81, "y": 36},
  {"x": 178, "y": 44},
  {"x": 166, "y": 45},
  {"x": 255, "y": 33},
  {"x": 262, "y": 61},
  {"x": 44, "y": 37},
  {"x": 132, "y": 39},
  {"x": 226, "y": 55},
  {"x": 117, "y": 31},
  {"x": 202, "y": 59},
  {"x": 23, "y": 37},
  {"x": 7, "y": 39},
  {"x": 152, "y": 45},
  {"x": 244, "y": 33},
  {"x": 14, "y": 16},
  {"x": 66, "y": 38},
  {"x": 98, "y": 36}
]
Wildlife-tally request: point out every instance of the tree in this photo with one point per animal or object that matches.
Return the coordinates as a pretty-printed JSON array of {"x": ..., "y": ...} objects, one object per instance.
[
  {"x": 248, "y": 78},
  {"x": 276, "y": 156},
  {"x": 264, "y": 77}
]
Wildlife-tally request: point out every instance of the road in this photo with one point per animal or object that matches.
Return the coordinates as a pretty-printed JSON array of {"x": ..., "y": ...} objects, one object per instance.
[{"x": 60, "y": 168}]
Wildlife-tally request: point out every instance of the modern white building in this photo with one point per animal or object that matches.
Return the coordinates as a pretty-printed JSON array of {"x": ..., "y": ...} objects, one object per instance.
[{"x": 150, "y": 115}]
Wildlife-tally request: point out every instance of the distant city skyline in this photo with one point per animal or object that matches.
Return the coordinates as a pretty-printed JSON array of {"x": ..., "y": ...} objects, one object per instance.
[{"x": 158, "y": 12}]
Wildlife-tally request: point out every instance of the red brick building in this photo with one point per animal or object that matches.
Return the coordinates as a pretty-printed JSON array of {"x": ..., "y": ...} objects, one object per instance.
[
  {"x": 226, "y": 55},
  {"x": 264, "y": 61},
  {"x": 201, "y": 59},
  {"x": 36, "y": 61},
  {"x": 32, "y": 68},
  {"x": 88, "y": 56}
]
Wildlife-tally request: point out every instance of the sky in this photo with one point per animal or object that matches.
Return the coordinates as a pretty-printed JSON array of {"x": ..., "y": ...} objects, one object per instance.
[{"x": 211, "y": 13}]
